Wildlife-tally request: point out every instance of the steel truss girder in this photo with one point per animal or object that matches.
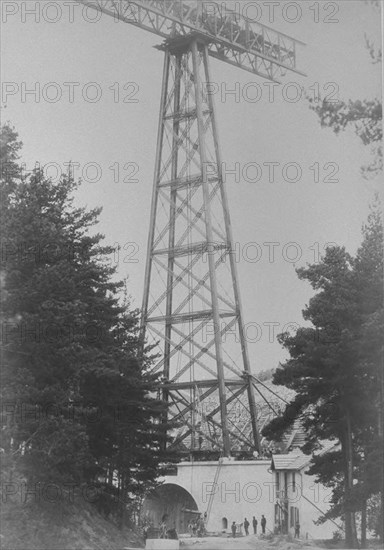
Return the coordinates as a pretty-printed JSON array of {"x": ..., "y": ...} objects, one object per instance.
[
  {"x": 230, "y": 36},
  {"x": 212, "y": 384},
  {"x": 187, "y": 270}
]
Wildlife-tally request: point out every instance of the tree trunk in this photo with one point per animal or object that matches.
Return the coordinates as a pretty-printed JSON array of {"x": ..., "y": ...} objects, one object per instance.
[
  {"x": 122, "y": 514},
  {"x": 364, "y": 525},
  {"x": 348, "y": 528},
  {"x": 350, "y": 520},
  {"x": 380, "y": 431},
  {"x": 355, "y": 541}
]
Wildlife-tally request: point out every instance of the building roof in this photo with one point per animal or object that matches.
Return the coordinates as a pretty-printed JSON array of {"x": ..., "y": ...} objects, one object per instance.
[
  {"x": 294, "y": 438},
  {"x": 298, "y": 460},
  {"x": 285, "y": 462}
]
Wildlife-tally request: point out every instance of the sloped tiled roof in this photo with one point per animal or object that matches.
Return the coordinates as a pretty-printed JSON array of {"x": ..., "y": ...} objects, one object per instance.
[
  {"x": 294, "y": 438},
  {"x": 297, "y": 460},
  {"x": 284, "y": 462},
  {"x": 300, "y": 462}
]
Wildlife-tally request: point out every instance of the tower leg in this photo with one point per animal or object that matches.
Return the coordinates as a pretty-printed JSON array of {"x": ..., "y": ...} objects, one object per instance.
[
  {"x": 210, "y": 241},
  {"x": 236, "y": 288}
]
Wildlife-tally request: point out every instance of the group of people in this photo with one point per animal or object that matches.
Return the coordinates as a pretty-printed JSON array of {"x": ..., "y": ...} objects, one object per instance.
[
  {"x": 197, "y": 527},
  {"x": 263, "y": 524}
]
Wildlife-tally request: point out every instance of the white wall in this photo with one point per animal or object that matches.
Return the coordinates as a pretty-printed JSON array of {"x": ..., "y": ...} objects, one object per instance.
[
  {"x": 312, "y": 500},
  {"x": 243, "y": 489},
  {"x": 247, "y": 488},
  {"x": 318, "y": 498}
]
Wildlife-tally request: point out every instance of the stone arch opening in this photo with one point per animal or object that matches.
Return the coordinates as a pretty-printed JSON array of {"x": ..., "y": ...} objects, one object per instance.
[
  {"x": 173, "y": 502},
  {"x": 224, "y": 524}
]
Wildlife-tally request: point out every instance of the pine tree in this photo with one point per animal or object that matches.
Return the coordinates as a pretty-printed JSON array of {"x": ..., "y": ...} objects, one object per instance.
[
  {"x": 370, "y": 282},
  {"x": 335, "y": 370},
  {"x": 76, "y": 389},
  {"x": 365, "y": 116}
]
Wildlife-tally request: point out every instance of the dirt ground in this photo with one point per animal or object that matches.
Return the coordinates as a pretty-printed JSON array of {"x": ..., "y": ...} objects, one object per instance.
[{"x": 242, "y": 543}]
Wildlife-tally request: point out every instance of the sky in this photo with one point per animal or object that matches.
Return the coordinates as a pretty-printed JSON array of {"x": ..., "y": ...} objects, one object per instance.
[{"x": 105, "y": 123}]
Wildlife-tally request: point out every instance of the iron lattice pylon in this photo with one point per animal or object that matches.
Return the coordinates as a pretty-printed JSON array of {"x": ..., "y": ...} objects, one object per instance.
[{"x": 191, "y": 303}]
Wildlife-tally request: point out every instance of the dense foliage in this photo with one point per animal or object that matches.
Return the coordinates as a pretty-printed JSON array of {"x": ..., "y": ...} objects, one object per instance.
[
  {"x": 76, "y": 402},
  {"x": 335, "y": 368},
  {"x": 336, "y": 365}
]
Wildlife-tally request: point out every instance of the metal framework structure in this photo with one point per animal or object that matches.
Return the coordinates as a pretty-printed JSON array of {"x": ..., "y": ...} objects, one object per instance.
[
  {"x": 191, "y": 303},
  {"x": 230, "y": 36}
]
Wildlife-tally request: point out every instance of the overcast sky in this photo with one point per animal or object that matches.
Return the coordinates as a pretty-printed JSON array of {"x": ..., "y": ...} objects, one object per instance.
[{"x": 111, "y": 132}]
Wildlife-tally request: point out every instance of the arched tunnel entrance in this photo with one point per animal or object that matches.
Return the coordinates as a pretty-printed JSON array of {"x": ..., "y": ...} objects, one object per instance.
[{"x": 172, "y": 501}]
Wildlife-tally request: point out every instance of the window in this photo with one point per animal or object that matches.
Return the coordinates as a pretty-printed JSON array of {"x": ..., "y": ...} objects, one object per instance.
[
  {"x": 286, "y": 482},
  {"x": 277, "y": 514},
  {"x": 224, "y": 523},
  {"x": 292, "y": 516},
  {"x": 293, "y": 481},
  {"x": 277, "y": 482}
]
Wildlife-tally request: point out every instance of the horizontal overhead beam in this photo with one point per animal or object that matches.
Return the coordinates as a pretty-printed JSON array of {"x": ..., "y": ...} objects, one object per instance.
[
  {"x": 183, "y": 317},
  {"x": 193, "y": 248},
  {"x": 230, "y": 36},
  {"x": 187, "y": 181},
  {"x": 200, "y": 384}
]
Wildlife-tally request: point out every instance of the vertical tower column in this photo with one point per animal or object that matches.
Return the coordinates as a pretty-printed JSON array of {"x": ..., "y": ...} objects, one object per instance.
[
  {"x": 236, "y": 288},
  {"x": 197, "y": 57},
  {"x": 191, "y": 303}
]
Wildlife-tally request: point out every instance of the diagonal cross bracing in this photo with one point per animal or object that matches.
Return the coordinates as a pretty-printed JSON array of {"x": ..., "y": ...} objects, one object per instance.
[
  {"x": 200, "y": 324},
  {"x": 189, "y": 206}
]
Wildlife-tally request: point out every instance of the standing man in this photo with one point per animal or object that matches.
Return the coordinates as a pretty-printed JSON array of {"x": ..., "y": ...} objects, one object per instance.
[
  {"x": 254, "y": 524},
  {"x": 190, "y": 528},
  {"x": 201, "y": 527},
  {"x": 263, "y": 523},
  {"x": 297, "y": 529},
  {"x": 233, "y": 527},
  {"x": 246, "y": 527}
]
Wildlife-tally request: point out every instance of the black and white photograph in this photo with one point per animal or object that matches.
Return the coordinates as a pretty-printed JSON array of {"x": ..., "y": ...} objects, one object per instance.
[{"x": 192, "y": 275}]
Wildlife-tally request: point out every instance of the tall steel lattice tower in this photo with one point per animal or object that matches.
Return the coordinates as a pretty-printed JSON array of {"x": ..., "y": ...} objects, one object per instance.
[
  {"x": 191, "y": 303},
  {"x": 191, "y": 295}
]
